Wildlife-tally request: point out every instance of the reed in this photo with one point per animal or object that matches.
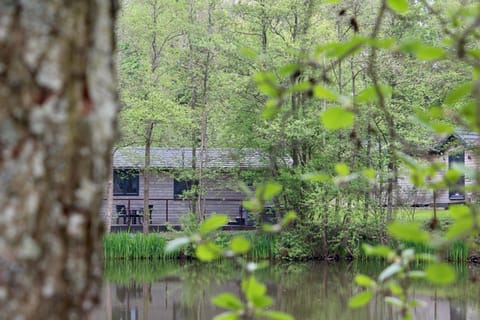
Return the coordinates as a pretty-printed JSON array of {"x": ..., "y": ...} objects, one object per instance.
[
  {"x": 124, "y": 245},
  {"x": 263, "y": 246},
  {"x": 456, "y": 252}
]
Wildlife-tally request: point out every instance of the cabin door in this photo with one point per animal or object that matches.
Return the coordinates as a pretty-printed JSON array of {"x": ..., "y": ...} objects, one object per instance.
[{"x": 456, "y": 191}]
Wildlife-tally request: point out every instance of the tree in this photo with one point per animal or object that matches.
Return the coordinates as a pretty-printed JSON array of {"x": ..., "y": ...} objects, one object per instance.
[{"x": 57, "y": 120}]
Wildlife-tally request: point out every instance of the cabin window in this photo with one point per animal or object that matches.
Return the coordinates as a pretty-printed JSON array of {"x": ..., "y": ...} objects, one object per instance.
[
  {"x": 456, "y": 191},
  {"x": 181, "y": 186},
  {"x": 126, "y": 182}
]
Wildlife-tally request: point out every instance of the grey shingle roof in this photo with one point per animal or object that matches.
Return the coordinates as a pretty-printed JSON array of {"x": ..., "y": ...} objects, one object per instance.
[{"x": 171, "y": 158}]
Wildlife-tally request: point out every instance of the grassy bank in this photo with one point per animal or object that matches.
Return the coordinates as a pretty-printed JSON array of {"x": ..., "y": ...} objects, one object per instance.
[
  {"x": 136, "y": 246},
  {"x": 301, "y": 243}
]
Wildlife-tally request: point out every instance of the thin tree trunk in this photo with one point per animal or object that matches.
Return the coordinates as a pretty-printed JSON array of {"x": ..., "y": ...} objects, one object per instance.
[
  {"x": 146, "y": 178},
  {"x": 109, "y": 209},
  {"x": 58, "y": 109}
]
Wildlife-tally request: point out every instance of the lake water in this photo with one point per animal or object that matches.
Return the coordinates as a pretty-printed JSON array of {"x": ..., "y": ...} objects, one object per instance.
[{"x": 314, "y": 290}]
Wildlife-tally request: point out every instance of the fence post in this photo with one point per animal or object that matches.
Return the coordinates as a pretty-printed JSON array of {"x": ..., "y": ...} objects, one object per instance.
[{"x": 166, "y": 210}]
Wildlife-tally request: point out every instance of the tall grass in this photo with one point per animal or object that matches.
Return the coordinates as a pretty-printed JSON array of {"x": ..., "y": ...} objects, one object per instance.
[
  {"x": 263, "y": 246},
  {"x": 124, "y": 245},
  {"x": 137, "y": 246},
  {"x": 457, "y": 252}
]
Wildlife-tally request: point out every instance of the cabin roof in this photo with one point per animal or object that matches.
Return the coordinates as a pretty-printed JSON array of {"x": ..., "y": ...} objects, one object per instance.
[
  {"x": 176, "y": 158},
  {"x": 467, "y": 139}
]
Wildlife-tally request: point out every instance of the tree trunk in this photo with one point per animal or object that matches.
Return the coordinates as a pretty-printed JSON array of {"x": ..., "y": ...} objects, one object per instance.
[
  {"x": 146, "y": 178},
  {"x": 109, "y": 209},
  {"x": 58, "y": 108}
]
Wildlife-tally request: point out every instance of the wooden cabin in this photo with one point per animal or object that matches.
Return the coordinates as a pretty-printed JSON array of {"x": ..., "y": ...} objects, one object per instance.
[
  {"x": 459, "y": 148},
  {"x": 169, "y": 184}
]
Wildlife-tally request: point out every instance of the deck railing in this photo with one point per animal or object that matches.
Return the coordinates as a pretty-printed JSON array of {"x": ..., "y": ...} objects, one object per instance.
[{"x": 130, "y": 211}]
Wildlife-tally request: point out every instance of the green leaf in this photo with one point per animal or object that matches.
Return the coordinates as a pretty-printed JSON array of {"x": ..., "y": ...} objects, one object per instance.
[
  {"x": 288, "y": 69},
  {"x": 382, "y": 43},
  {"x": 177, "y": 243},
  {"x": 227, "y": 316},
  {"x": 271, "y": 227},
  {"x": 441, "y": 127},
  {"x": 343, "y": 49},
  {"x": 460, "y": 212},
  {"x": 207, "y": 251},
  {"x": 249, "y": 53},
  {"x": 380, "y": 251},
  {"x": 261, "y": 301},
  {"x": 289, "y": 217},
  {"x": 228, "y": 301},
  {"x": 268, "y": 89},
  {"x": 364, "y": 281},
  {"x": 253, "y": 205},
  {"x": 335, "y": 118},
  {"x": 417, "y": 303},
  {"x": 213, "y": 222},
  {"x": 366, "y": 95},
  {"x": 440, "y": 273},
  {"x": 421, "y": 50},
  {"x": 300, "y": 87},
  {"x": 408, "y": 316},
  {"x": 240, "y": 245},
  {"x": 427, "y": 53},
  {"x": 361, "y": 299},
  {"x": 410, "y": 231},
  {"x": 270, "y": 109},
  {"x": 391, "y": 270},
  {"x": 436, "y": 112},
  {"x": 342, "y": 169},
  {"x": 369, "y": 173},
  {"x": 469, "y": 113},
  {"x": 271, "y": 189},
  {"x": 394, "y": 301},
  {"x": 395, "y": 288},
  {"x": 324, "y": 93},
  {"x": 452, "y": 176},
  {"x": 457, "y": 93},
  {"x": 399, "y": 6},
  {"x": 316, "y": 177},
  {"x": 369, "y": 94},
  {"x": 274, "y": 315},
  {"x": 460, "y": 228},
  {"x": 252, "y": 288}
]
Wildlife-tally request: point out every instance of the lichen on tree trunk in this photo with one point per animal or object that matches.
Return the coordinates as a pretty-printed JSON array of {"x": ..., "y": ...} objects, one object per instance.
[{"x": 58, "y": 110}]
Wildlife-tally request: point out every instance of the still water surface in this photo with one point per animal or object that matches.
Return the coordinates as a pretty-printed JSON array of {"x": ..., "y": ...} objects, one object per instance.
[{"x": 314, "y": 290}]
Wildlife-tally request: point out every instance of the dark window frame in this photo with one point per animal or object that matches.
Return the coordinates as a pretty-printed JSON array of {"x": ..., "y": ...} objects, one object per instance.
[
  {"x": 129, "y": 184},
  {"x": 456, "y": 191},
  {"x": 180, "y": 186}
]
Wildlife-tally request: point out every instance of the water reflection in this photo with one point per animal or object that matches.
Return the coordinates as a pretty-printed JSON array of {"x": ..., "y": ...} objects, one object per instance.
[{"x": 168, "y": 291}]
